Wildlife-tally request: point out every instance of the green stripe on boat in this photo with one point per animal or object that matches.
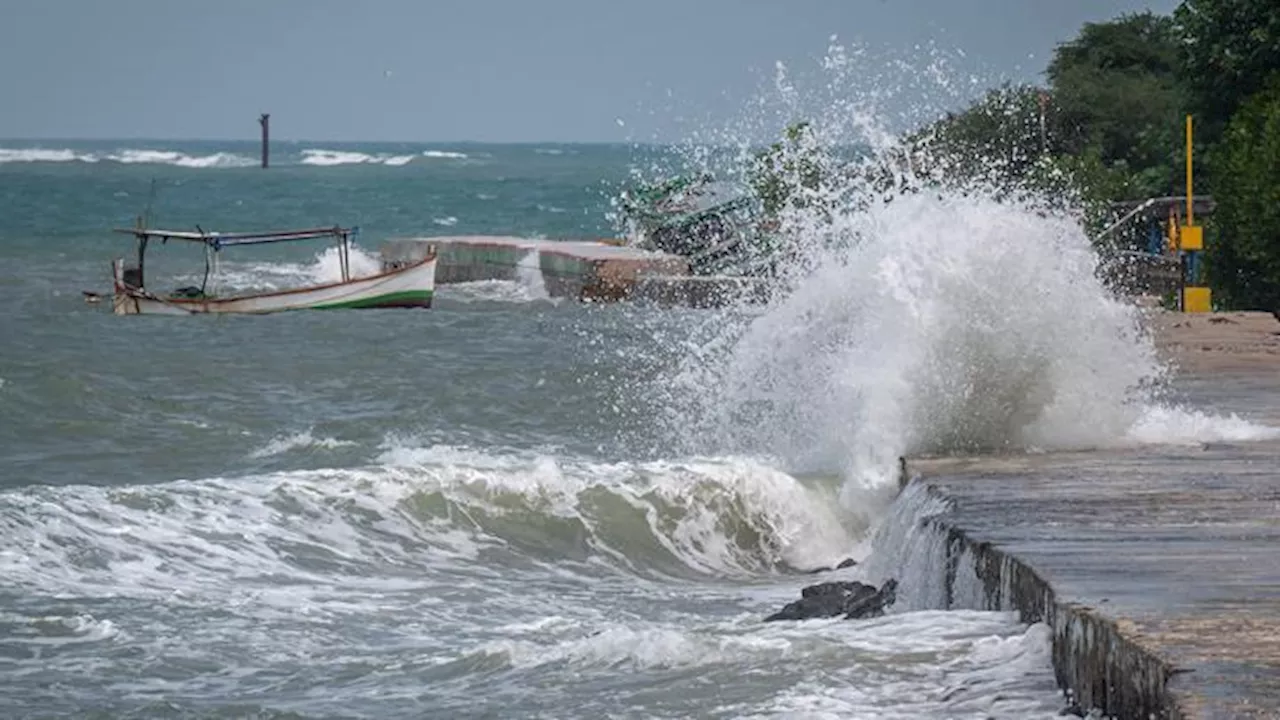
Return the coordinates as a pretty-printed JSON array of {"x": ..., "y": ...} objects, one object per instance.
[{"x": 404, "y": 297}]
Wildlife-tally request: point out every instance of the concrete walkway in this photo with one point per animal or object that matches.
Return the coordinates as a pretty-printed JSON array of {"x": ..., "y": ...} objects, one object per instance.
[{"x": 1177, "y": 547}]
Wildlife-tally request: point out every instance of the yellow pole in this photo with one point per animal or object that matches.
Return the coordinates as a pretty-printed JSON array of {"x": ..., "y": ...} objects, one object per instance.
[{"x": 1190, "y": 212}]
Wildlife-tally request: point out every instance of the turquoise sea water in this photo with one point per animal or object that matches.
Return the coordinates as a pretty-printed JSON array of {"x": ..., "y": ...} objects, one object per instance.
[{"x": 472, "y": 511}]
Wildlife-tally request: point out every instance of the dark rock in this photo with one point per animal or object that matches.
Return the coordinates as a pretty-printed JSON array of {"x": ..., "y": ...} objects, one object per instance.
[
  {"x": 873, "y": 606},
  {"x": 849, "y": 598},
  {"x": 840, "y": 587},
  {"x": 846, "y": 563}
]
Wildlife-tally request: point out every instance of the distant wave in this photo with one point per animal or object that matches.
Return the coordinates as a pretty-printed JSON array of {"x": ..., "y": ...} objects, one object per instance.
[
  {"x": 171, "y": 157},
  {"x": 126, "y": 157},
  {"x": 41, "y": 155},
  {"x": 328, "y": 158},
  {"x": 318, "y": 157}
]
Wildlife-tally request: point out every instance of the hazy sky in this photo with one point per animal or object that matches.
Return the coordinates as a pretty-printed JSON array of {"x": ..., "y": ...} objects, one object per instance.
[{"x": 487, "y": 70}]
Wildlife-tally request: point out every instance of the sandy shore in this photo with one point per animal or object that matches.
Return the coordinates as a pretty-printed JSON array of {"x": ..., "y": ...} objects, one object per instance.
[{"x": 1210, "y": 343}]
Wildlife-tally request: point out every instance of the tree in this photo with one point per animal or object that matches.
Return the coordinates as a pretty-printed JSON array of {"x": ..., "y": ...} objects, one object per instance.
[
  {"x": 1244, "y": 255},
  {"x": 995, "y": 142},
  {"x": 788, "y": 172},
  {"x": 1115, "y": 88},
  {"x": 1230, "y": 50}
]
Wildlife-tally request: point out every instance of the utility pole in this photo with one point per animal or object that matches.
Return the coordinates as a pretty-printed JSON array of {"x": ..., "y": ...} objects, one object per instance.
[{"x": 265, "y": 122}]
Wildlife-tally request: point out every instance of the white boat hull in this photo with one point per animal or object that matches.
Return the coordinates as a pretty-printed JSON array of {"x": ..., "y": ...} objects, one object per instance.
[{"x": 410, "y": 286}]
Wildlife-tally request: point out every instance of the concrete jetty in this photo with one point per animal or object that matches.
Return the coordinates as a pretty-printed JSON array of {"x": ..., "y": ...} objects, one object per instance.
[
  {"x": 1157, "y": 568},
  {"x": 588, "y": 270}
]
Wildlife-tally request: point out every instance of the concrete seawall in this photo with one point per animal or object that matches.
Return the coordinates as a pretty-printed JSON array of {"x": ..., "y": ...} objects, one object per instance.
[
  {"x": 584, "y": 270},
  {"x": 1157, "y": 570}
]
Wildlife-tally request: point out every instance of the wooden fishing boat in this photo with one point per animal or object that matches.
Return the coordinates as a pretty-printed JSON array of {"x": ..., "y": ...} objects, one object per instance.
[{"x": 410, "y": 285}]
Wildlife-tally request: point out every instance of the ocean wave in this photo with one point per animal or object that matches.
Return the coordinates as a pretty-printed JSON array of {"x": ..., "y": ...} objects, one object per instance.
[
  {"x": 126, "y": 157},
  {"x": 305, "y": 440},
  {"x": 41, "y": 155},
  {"x": 331, "y": 158},
  {"x": 423, "y": 505},
  {"x": 315, "y": 157},
  {"x": 178, "y": 159}
]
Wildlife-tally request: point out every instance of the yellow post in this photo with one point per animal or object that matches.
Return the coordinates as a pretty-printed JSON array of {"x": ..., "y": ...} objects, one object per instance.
[
  {"x": 1195, "y": 298},
  {"x": 1191, "y": 218}
]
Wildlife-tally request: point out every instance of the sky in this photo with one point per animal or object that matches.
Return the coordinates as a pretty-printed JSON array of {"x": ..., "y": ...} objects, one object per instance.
[{"x": 486, "y": 70}]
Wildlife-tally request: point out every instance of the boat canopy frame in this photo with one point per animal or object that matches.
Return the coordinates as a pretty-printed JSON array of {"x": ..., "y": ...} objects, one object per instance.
[{"x": 214, "y": 242}]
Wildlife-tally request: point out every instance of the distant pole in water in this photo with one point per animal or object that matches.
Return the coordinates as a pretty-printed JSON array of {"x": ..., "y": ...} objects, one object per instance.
[{"x": 265, "y": 122}]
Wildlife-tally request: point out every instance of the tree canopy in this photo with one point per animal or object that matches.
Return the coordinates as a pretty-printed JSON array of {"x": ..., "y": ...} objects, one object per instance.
[{"x": 1229, "y": 51}]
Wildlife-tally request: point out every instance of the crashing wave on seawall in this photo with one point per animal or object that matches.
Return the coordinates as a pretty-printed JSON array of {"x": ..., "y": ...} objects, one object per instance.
[{"x": 935, "y": 323}]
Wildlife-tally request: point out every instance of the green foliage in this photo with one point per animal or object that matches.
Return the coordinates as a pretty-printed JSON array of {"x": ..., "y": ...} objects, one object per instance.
[
  {"x": 1116, "y": 94},
  {"x": 1230, "y": 48},
  {"x": 788, "y": 172},
  {"x": 996, "y": 141},
  {"x": 1244, "y": 253}
]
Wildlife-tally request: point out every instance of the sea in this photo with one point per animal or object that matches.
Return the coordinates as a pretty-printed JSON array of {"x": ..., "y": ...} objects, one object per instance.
[{"x": 510, "y": 505}]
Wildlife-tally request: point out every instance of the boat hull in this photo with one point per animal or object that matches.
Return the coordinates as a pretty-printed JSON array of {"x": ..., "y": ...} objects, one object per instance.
[{"x": 410, "y": 286}]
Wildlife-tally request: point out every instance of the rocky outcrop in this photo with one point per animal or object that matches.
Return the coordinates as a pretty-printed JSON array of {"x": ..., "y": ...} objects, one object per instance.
[{"x": 849, "y": 598}]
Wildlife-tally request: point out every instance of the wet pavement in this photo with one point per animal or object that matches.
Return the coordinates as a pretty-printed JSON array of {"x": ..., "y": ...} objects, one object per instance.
[{"x": 1178, "y": 546}]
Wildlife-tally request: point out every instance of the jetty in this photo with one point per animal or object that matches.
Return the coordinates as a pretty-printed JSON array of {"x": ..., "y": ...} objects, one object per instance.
[
  {"x": 586, "y": 270},
  {"x": 1156, "y": 568}
]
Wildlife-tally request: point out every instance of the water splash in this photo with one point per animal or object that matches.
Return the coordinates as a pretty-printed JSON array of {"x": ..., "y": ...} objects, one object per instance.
[
  {"x": 913, "y": 316},
  {"x": 327, "y": 266},
  {"x": 529, "y": 275}
]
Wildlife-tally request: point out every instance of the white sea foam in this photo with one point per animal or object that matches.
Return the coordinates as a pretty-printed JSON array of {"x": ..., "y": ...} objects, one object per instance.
[
  {"x": 126, "y": 156},
  {"x": 447, "y": 221},
  {"x": 330, "y": 158},
  {"x": 179, "y": 159},
  {"x": 529, "y": 275},
  {"x": 500, "y": 291},
  {"x": 444, "y": 154},
  {"x": 977, "y": 662},
  {"x": 723, "y": 517},
  {"x": 1160, "y": 424},
  {"x": 326, "y": 267},
  {"x": 42, "y": 155},
  {"x": 304, "y": 440}
]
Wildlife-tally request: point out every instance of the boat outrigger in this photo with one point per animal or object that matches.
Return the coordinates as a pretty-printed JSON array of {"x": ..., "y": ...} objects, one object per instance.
[{"x": 412, "y": 285}]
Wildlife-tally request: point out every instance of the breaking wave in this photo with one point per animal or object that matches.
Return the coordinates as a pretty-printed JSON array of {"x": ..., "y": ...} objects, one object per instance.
[
  {"x": 422, "y": 508},
  {"x": 329, "y": 158},
  {"x": 325, "y": 267},
  {"x": 315, "y": 157},
  {"x": 127, "y": 157}
]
